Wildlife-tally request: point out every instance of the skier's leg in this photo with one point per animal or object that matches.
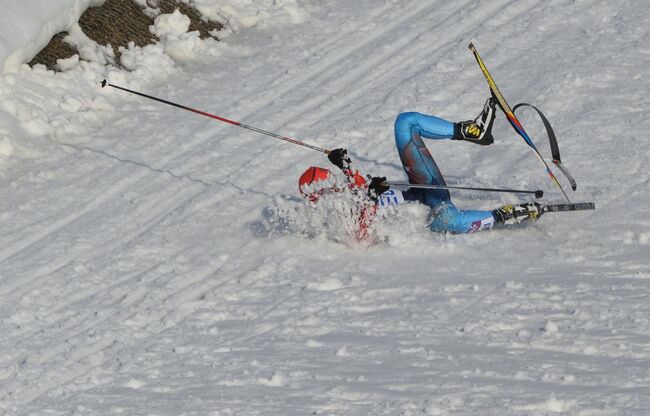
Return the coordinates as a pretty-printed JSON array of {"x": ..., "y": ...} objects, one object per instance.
[
  {"x": 416, "y": 159},
  {"x": 449, "y": 219},
  {"x": 421, "y": 168},
  {"x": 429, "y": 127}
]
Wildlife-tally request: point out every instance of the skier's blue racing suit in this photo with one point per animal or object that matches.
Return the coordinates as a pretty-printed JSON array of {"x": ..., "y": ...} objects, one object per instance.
[{"x": 420, "y": 167}]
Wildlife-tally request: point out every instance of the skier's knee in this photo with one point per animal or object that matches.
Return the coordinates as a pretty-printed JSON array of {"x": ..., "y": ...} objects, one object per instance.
[
  {"x": 406, "y": 120},
  {"x": 404, "y": 127}
]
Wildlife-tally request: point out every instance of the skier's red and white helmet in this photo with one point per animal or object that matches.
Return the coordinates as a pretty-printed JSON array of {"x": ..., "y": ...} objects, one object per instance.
[{"x": 315, "y": 182}]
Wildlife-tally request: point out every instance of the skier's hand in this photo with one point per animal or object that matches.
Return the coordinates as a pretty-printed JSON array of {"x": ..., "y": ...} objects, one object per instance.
[
  {"x": 377, "y": 187},
  {"x": 339, "y": 157}
]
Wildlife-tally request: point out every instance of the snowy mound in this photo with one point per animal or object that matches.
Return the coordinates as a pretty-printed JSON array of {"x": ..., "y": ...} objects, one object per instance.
[{"x": 28, "y": 25}]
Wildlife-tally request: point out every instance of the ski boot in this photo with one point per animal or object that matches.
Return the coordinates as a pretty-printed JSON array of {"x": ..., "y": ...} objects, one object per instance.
[
  {"x": 515, "y": 214},
  {"x": 479, "y": 130}
]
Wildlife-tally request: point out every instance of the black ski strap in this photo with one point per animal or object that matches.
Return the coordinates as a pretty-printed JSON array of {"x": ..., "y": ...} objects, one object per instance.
[{"x": 555, "y": 149}]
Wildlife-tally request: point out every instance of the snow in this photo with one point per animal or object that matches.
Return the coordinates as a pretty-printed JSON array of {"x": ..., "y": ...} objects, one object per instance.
[
  {"x": 156, "y": 262},
  {"x": 28, "y": 25},
  {"x": 240, "y": 14},
  {"x": 178, "y": 43}
]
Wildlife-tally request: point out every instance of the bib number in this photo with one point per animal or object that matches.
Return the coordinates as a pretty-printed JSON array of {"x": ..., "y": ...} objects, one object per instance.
[{"x": 391, "y": 197}]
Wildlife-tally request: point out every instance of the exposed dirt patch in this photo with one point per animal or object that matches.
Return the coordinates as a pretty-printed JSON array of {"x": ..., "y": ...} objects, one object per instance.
[
  {"x": 56, "y": 49},
  {"x": 118, "y": 22}
]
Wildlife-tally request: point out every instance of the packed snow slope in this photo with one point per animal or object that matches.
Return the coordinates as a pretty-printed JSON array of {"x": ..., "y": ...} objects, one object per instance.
[{"x": 155, "y": 262}]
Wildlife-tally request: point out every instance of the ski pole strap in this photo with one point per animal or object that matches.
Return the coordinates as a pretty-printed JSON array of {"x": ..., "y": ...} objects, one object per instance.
[{"x": 555, "y": 149}]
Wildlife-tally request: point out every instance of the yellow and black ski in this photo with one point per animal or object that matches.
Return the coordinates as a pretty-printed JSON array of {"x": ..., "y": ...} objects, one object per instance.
[{"x": 511, "y": 117}]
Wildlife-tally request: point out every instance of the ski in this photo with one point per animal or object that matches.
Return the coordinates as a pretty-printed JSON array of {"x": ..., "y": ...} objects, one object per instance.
[
  {"x": 512, "y": 118},
  {"x": 580, "y": 206}
]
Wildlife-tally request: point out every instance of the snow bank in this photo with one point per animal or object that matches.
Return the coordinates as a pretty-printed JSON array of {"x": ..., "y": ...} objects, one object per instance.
[
  {"x": 28, "y": 26},
  {"x": 237, "y": 14}
]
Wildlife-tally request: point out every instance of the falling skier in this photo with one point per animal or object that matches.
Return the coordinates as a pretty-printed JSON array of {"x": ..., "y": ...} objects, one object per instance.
[
  {"x": 422, "y": 171},
  {"x": 420, "y": 167}
]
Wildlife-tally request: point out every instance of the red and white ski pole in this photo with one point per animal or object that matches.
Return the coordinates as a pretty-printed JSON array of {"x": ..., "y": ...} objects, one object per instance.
[
  {"x": 105, "y": 83},
  {"x": 223, "y": 119}
]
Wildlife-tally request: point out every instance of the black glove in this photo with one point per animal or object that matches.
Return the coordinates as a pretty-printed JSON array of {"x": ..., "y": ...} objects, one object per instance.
[
  {"x": 377, "y": 187},
  {"x": 339, "y": 157}
]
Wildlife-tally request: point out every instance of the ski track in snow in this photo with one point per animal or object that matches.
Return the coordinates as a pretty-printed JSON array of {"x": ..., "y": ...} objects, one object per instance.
[{"x": 135, "y": 278}]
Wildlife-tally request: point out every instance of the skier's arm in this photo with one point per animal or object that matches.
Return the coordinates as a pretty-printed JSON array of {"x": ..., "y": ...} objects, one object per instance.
[
  {"x": 376, "y": 187},
  {"x": 340, "y": 159}
]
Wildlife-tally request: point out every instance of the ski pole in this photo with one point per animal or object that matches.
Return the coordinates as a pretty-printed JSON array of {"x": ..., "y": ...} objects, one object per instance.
[
  {"x": 538, "y": 193},
  {"x": 223, "y": 119}
]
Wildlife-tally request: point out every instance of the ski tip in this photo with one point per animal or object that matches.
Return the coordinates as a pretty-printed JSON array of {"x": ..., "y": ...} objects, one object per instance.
[
  {"x": 579, "y": 206},
  {"x": 471, "y": 46},
  {"x": 584, "y": 206}
]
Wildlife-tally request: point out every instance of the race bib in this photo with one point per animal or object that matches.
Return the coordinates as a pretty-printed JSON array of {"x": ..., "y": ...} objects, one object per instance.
[
  {"x": 391, "y": 197},
  {"x": 485, "y": 224}
]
